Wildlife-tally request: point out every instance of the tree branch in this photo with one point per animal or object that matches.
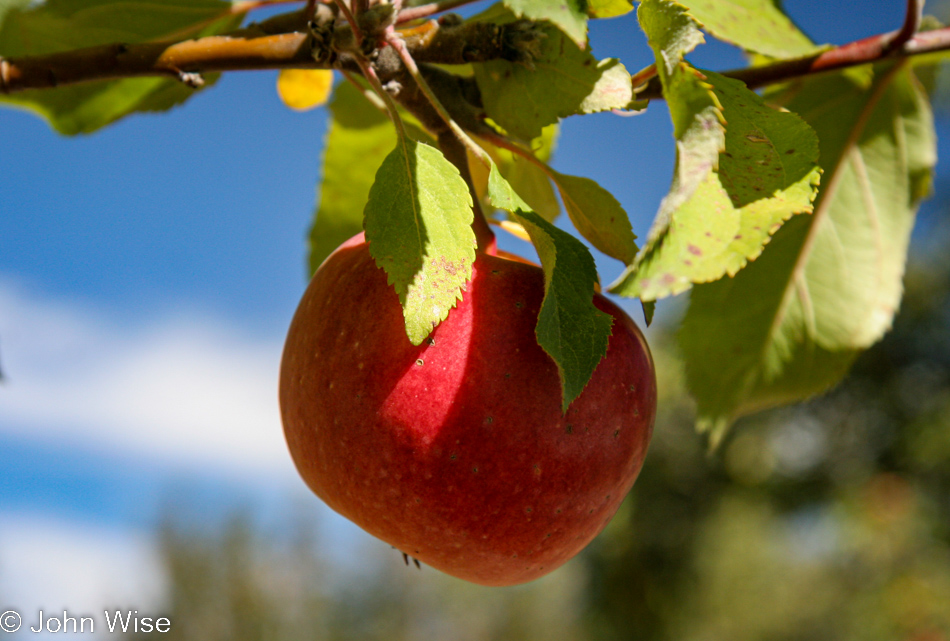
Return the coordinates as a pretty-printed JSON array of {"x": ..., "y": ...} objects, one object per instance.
[
  {"x": 861, "y": 52},
  {"x": 283, "y": 42},
  {"x": 215, "y": 53},
  {"x": 278, "y": 43}
]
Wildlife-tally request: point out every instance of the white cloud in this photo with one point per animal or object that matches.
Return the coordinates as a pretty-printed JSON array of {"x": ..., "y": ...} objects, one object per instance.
[
  {"x": 184, "y": 388},
  {"x": 52, "y": 565}
]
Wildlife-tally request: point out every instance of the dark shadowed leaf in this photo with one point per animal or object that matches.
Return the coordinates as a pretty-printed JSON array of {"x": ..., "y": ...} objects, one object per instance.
[{"x": 570, "y": 328}]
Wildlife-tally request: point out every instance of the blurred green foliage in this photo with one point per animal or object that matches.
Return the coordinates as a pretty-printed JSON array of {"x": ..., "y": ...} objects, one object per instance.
[{"x": 826, "y": 521}]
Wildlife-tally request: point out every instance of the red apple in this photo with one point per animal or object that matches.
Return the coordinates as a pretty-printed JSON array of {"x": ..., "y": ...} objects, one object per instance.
[{"x": 457, "y": 452}]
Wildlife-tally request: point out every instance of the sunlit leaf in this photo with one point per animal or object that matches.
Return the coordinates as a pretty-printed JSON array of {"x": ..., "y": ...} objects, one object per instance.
[
  {"x": 767, "y": 173},
  {"x": 694, "y": 108},
  {"x": 570, "y": 16},
  {"x": 754, "y": 25},
  {"x": 608, "y": 8},
  {"x": 418, "y": 223},
  {"x": 789, "y": 325},
  {"x": 359, "y": 138},
  {"x": 525, "y": 177},
  {"x": 597, "y": 216}
]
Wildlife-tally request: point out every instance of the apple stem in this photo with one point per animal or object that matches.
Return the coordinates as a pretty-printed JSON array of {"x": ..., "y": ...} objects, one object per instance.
[{"x": 456, "y": 153}]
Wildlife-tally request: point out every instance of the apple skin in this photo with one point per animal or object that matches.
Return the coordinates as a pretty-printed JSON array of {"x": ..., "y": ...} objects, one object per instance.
[{"x": 456, "y": 452}]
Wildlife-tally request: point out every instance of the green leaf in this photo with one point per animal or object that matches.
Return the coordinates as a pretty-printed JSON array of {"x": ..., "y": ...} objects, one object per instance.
[
  {"x": 597, "y": 216},
  {"x": 789, "y": 325},
  {"x": 359, "y": 135},
  {"x": 694, "y": 108},
  {"x": 570, "y": 16},
  {"x": 608, "y": 8},
  {"x": 759, "y": 26},
  {"x": 59, "y": 25},
  {"x": 767, "y": 173},
  {"x": 649, "y": 308},
  {"x": 525, "y": 177},
  {"x": 418, "y": 223},
  {"x": 570, "y": 328},
  {"x": 566, "y": 80},
  {"x": 9, "y": 5},
  {"x": 359, "y": 138},
  {"x": 671, "y": 32}
]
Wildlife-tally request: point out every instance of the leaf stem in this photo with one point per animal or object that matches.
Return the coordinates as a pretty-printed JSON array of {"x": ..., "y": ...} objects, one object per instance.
[
  {"x": 643, "y": 76},
  {"x": 354, "y": 25},
  {"x": 370, "y": 74},
  {"x": 500, "y": 141},
  {"x": 370, "y": 95},
  {"x": 396, "y": 42}
]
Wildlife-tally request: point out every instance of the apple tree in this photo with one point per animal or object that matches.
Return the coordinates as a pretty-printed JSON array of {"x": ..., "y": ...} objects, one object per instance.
[{"x": 789, "y": 211}]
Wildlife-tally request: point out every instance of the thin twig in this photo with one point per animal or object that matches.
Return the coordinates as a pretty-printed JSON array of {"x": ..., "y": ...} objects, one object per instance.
[
  {"x": 215, "y": 53},
  {"x": 354, "y": 25},
  {"x": 915, "y": 12},
  {"x": 370, "y": 95},
  {"x": 426, "y": 10},
  {"x": 393, "y": 39},
  {"x": 249, "y": 51},
  {"x": 853, "y": 54},
  {"x": 370, "y": 74}
]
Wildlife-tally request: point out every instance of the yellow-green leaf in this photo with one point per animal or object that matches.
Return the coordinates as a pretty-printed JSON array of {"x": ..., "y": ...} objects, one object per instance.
[
  {"x": 418, "y": 222},
  {"x": 767, "y": 173},
  {"x": 828, "y": 285}
]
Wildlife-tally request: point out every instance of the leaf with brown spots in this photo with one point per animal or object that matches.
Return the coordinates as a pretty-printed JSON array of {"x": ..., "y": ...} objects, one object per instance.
[
  {"x": 418, "y": 223},
  {"x": 733, "y": 213},
  {"x": 790, "y": 324}
]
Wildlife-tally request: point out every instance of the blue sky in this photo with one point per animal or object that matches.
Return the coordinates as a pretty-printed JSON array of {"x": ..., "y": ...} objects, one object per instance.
[{"x": 148, "y": 273}]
